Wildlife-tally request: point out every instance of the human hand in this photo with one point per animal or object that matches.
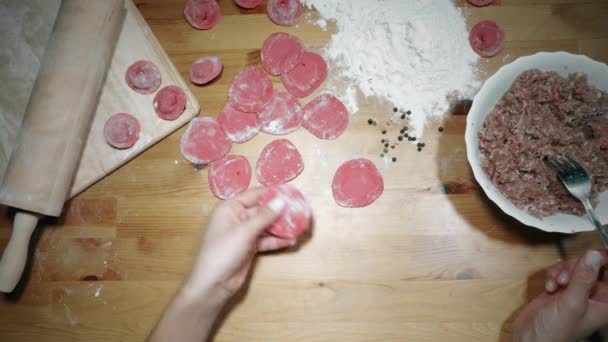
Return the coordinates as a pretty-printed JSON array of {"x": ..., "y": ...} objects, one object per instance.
[
  {"x": 574, "y": 305},
  {"x": 235, "y": 233}
]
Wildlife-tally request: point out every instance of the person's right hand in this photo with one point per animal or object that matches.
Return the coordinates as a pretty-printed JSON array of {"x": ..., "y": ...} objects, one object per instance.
[
  {"x": 235, "y": 233},
  {"x": 574, "y": 305}
]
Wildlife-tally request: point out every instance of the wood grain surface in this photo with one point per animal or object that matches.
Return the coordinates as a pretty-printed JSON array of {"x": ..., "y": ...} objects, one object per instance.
[{"x": 432, "y": 260}]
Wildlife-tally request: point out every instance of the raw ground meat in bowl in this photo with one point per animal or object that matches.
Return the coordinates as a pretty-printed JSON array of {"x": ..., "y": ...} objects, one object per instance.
[{"x": 484, "y": 104}]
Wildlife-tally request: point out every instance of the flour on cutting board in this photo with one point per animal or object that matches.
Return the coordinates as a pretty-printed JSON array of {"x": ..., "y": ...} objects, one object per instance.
[{"x": 413, "y": 54}]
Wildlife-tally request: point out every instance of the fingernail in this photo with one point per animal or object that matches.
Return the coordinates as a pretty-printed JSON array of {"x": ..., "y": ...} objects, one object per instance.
[
  {"x": 550, "y": 285},
  {"x": 276, "y": 204},
  {"x": 594, "y": 260},
  {"x": 563, "y": 278}
]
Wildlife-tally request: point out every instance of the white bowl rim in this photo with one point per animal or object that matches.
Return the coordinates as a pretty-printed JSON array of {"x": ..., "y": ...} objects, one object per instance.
[{"x": 492, "y": 90}]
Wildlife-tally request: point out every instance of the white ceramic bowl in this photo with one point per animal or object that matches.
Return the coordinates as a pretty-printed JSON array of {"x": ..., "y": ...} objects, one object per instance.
[{"x": 492, "y": 91}]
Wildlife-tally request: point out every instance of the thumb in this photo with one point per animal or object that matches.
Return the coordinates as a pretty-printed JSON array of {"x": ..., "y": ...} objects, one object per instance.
[
  {"x": 264, "y": 216},
  {"x": 584, "y": 278}
]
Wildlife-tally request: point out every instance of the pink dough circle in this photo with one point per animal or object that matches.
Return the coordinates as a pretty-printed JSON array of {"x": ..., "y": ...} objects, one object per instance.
[
  {"x": 296, "y": 215},
  {"x": 248, "y": 4},
  {"x": 357, "y": 183},
  {"x": 279, "y": 162},
  {"x": 281, "y": 52},
  {"x": 326, "y": 117},
  {"x": 229, "y": 176},
  {"x": 282, "y": 115},
  {"x": 284, "y": 12},
  {"x": 202, "y": 14},
  {"x": 480, "y": 3},
  {"x": 205, "y": 70},
  {"x": 307, "y": 76},
  {"x": 143, "y": 77},
  {"x": 239, "y": 126},
  {"x": 204, "y": 141},
  {"x": 170, "y": 102},
  {"x": 250, "y": 91},
  {"x": 487, "y": 39},
  {"x": 121, "y": 131}
]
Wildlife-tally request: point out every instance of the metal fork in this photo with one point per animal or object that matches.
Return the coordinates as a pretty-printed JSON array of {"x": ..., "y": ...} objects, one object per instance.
[{"x": 578, "y": 182}]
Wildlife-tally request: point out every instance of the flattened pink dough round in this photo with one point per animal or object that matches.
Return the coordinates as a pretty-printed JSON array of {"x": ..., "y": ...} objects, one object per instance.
[
  {"x": 480, "y": 3},
  {"x": 239, "y": 126},
  {"x": 249, "y": 4},
  {"x": 284, "y": 12},
  {"x": 121, "y": 131},
  {"x": 307, "y": 76},
  {"x": 229, "y": 176},
  {"x": 281, "y": 52},
  {"x": 143, "y": 77},
  {"x": 279, "y": 162},
  {"x": 357, "y": 183},
  {"x": 487, "y": 38},
  {"x": 205, "y": 69},
  {"x": 326, "y": 117},
  {"x": 250, "y": 91},
  {"x": 204, "y": 141},
  {"x": 282, "y": 115},
  {"x": 169, "y": 103},
  {"x": 202, "y": 14},
  {"x": 296, "y": 215}
]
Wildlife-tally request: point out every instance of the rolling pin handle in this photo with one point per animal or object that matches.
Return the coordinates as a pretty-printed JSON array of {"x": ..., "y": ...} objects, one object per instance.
[{"x": 15, "y": 254}]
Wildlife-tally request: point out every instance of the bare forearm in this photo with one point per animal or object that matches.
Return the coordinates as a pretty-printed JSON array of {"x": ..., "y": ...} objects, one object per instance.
[{"x": 189, "y": 317}]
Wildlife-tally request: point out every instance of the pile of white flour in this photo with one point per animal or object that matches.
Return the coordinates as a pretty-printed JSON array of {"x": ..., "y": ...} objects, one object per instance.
[{"x": 412, "y": 54}]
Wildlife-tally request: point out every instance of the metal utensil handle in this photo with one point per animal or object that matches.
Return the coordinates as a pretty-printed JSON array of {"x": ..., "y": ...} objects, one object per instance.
[{"x": 595, "y": 221}]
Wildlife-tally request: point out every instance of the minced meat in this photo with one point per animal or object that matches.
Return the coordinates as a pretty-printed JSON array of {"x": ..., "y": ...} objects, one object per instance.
[{"x": 546, "y": 115}]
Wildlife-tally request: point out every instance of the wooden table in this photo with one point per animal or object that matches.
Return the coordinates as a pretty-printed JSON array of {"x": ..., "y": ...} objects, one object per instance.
[{"x": 431, "y": 260}]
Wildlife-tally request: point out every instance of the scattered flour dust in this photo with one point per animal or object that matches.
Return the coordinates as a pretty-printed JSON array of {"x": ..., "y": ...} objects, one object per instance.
[{"x": 412, "y": 54}]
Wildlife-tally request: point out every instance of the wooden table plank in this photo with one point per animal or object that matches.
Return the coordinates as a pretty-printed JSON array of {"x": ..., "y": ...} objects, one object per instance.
[{"x": 431, "y": 260}]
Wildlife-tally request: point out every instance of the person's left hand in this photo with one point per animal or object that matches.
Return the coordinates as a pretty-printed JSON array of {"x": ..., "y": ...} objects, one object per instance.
[
  {"x": 235, "y": 233},
  {"x": 574, "y": 305}
]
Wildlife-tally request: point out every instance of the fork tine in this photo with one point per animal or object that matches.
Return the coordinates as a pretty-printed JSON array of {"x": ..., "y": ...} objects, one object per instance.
[
  {"x": 553, "y": 164},
  {"x": 565, "y": 166},
  {"x": 573, "y": 163},
  {"x": 561, "y": 167},
  {"x": 579, "y": 168}
]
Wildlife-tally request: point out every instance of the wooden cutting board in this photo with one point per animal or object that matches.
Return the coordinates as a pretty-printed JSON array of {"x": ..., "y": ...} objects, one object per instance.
[{"x": 136, "y": 42}]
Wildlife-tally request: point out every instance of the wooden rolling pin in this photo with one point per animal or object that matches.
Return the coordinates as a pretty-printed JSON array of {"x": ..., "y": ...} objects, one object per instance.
[{"x": 57, "y": 121}]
